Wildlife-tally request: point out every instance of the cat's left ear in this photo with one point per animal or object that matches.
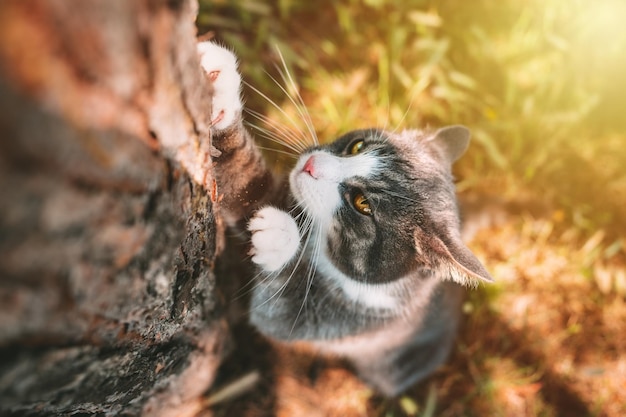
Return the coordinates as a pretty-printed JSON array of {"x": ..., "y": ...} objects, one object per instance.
[
  {"x": 461, "y": 264},
  {"x": 450, "y": 142}
]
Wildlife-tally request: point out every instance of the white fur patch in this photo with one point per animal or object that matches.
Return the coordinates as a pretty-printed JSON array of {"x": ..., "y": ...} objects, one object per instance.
[
  {"x": 368, "y": 295},
  {"x": 320, "y": 195},
  {"x": 221, "y": 64},
  {"x": 275, "y": 238}
]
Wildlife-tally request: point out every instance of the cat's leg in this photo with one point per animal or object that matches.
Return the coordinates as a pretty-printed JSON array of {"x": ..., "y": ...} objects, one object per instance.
[
  {"x": 276, "y": 297},
  {"x": 243, "y": 179},
  {"x": 220, "y": 65},
  {"x": 275, "y": 238}
]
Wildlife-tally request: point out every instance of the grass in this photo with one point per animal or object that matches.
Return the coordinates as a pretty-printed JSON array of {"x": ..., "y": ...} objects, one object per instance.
[{"x": 540, "y": 84}]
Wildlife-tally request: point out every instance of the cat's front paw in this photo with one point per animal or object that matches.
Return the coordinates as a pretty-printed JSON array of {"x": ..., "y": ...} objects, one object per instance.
[
  {"x": 220, "y": 65},
  {"x": 275, "y": 238}
]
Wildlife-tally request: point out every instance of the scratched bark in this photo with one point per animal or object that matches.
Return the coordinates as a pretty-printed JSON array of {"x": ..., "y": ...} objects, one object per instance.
[{"x": 108, "y": 230}]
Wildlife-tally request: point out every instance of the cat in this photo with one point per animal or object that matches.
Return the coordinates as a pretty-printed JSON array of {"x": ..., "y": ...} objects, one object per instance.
[{"x": 358, "y": 250}]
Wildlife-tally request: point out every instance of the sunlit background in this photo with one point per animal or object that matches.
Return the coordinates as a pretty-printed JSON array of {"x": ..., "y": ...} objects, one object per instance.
[{"x": 542, "y": 86}]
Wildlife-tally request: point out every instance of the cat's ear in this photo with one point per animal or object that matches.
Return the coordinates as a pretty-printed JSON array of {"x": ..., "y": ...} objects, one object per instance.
[
  {"x": 460, "y": 264},
  {"x": 450, "y": 142}
]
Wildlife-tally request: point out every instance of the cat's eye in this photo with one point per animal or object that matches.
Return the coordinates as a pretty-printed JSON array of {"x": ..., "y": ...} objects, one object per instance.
[
  {"x": 361, "y": 204},
  {"x": 356, "y": 147}
]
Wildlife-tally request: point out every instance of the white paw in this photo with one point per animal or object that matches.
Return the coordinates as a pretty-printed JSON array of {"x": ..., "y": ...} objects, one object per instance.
[
  {"x": 275, "y": 238},
  {"x": 220, "y": 65}
]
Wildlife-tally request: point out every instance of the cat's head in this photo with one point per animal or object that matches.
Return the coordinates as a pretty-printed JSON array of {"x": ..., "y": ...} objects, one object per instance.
[{"x": 385, "y": 204}]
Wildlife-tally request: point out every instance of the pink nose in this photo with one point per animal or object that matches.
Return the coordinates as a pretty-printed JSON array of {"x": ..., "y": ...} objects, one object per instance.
[{"x": 309, "y": 167}]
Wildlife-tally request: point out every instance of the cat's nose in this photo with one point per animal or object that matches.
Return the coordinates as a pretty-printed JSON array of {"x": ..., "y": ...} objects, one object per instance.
[{"x": 309, "y": 167}]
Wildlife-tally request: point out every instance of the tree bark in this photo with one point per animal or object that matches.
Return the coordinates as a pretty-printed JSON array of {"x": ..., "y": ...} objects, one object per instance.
[{"x": 108, "y": 224}]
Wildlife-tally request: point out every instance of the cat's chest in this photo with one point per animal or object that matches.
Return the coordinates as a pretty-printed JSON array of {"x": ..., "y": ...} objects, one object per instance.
[
  {"x": 383, "y": 297},
  {"x": 386, "y": 328},
  {"x": 396, "y": 297},
  {"x": 394, "y": 332}
]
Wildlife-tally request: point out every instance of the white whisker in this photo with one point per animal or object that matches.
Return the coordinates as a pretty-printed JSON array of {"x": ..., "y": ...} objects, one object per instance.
[
  {"x": 290, "y": 140},
  {"x": 272, "y": 138},
  {"x": 287, "y": 153},
  {"x": 280, "y": 290},
  {"x": 288, "y": 134},
  {"x": 303, "y": 137},
  {"x": 280, "y": 109},
  {"x": 382, "y": 135},
  {"x": 311, "y": 268},
  {"x": 302, "y": 109},
  {"x": 406, "y": 112},
  {"x": 253, "y": 284}
]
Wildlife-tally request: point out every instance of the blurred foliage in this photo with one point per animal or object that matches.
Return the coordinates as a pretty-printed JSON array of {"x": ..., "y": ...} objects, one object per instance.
[{"x": 540, "y": 83}]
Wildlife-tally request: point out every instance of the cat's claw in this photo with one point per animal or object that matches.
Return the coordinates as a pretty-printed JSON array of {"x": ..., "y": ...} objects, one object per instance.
[
  {"x": 220, "y": 66},
  {"x": 218, "y": 118},
  {"x": 275, "y": 238}
]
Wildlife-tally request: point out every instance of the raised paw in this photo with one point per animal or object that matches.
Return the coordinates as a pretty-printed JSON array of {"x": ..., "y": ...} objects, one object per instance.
[
  {"x": 220, "y": 65},
  {"x": 275, "y": 238}
]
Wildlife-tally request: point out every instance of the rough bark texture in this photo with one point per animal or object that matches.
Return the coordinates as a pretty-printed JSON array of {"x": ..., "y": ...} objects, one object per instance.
[{"x": 108, "y": 230}]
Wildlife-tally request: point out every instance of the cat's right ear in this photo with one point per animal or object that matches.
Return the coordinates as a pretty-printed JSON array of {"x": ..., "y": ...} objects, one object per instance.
[
  {"x": 448, "y": 254},
  {"x": 464, "y": 267},
  {"x": 450, "y": 142}
]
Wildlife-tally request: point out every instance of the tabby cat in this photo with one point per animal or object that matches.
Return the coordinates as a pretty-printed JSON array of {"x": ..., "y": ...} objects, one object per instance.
[{"x": 358, "y": 250}]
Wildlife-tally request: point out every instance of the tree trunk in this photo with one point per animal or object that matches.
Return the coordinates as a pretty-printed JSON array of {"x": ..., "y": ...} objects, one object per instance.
[{"x": 108, "y": 227}]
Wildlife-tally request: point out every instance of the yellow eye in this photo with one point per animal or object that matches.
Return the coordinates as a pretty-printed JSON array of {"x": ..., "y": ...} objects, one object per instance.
[
  {"x": 356, "y": 147},
  {"x": 361, "y": 204}
]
